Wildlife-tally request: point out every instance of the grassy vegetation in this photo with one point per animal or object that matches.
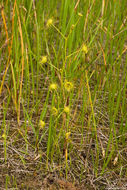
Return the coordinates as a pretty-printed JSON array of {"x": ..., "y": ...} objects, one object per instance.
[{"x": 63, "y": 95}]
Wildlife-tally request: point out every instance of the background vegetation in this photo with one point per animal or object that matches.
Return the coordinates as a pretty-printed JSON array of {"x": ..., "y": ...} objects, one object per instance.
[{"x": 63, "y": 95}]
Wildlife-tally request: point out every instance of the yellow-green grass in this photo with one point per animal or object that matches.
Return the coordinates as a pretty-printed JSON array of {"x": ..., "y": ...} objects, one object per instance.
[{"x": 63, "y": 96}]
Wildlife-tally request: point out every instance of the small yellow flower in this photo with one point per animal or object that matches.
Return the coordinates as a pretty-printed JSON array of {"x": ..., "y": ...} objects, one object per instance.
[
  {"x": 42, "y": 124},
  {"x": 49, "y": 22},
  {"x": 66, "y": 109},
  {"x": 68, "y": 86},
  {"x": 67, "y": 135},
  {"x": 72, "y": 27},
  {"x": 54, "y": 111},
  {"x": 44, "y": 59},
  {"x": 80, "y": 14},
  {"x": 84, "y": 49},
  {"x": 4, "y": 136},
  {"x": 53, "y": 86}
]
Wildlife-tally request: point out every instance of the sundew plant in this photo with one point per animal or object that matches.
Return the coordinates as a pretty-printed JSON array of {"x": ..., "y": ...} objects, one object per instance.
[{"x": 63, "y": 94}]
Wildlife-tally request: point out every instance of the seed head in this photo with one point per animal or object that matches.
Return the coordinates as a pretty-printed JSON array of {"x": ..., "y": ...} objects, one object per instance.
[
  {"x": 67, "y": 135},
  {"x": 115, "y": 160},
  {"x": 103, "y": 152},
  {"x": 80, "y": 14},
  {"x": 66, "y": 109},
  {"x": 84, "y": 49},
  {"x": 54, "y": 111},
  {"x": 42, "y": 124},
  {"x": 53, "y": 86},
  {"x": 72, "y": 27},
  {"x": 44, "y": 59},
  {"x": 68, "y": 86},
  {"x": 49, "y": 22},
  {"x": 4, "y": 136}
]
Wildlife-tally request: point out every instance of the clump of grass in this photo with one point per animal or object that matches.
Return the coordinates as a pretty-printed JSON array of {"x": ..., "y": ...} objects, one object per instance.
[{"x": 63, "y": 89}]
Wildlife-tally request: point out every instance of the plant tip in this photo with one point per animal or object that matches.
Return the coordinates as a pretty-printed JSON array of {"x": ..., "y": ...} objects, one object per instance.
[
  {"x": 80, "y": 14},
  {"x": 84, "y": 49},
  {"x": 54, "y": 111},
  {"x": 4, "y": 135},
  {"x": 67, "y": 135},
  {"x": 44, "y": 59},
  {"x": 41, "y": 124},
  {"x": 68, "y": 86},
  {"x": 49, "y": 22},
  {"x": 53, "y": 86},
  {"x": 66, "y": 109}
]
